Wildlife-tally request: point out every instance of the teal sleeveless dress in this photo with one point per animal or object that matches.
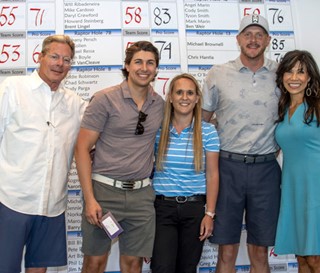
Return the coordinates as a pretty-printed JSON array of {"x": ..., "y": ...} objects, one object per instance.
[{"x": 298, "y": 230}]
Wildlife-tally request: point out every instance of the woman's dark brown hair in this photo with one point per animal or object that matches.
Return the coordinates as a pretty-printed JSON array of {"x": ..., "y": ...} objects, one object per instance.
[{"x": 312, "y": 97}]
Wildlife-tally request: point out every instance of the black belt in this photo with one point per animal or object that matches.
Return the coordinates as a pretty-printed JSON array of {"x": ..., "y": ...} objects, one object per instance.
[
  {"x": 182, "y": 199},
  {"x": 248, "y": 158}
]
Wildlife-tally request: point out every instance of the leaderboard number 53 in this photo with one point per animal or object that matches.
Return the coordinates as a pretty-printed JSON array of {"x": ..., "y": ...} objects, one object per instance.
[{"x": 7, "y": 51}]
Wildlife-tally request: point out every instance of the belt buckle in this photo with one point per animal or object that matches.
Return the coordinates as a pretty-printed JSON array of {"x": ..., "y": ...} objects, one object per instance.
[
  {"x": 181, "y": 199},
  {"x": 128, "y": 185},
  {"x": 249, "y": 159}
]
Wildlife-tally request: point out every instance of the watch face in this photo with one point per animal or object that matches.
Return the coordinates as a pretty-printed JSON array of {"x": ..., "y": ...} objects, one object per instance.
[{"x": 211, "y": 214}]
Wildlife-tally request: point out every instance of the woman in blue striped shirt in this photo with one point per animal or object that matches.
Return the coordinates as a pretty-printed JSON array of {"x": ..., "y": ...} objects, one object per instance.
[{"x": 186, "y": 179}]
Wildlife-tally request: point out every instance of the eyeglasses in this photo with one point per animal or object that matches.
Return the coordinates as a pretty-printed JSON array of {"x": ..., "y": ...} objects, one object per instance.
[
  {"x": 55, "y": 58},
  {"x": 140, "y": 128}
]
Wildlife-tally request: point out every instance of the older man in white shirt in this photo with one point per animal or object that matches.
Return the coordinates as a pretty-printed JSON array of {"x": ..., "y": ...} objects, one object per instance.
[{"x": 39, "y": 122}]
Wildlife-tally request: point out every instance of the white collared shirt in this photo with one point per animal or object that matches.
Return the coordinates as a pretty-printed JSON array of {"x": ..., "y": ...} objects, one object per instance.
[{"x": 38, "y": 130}]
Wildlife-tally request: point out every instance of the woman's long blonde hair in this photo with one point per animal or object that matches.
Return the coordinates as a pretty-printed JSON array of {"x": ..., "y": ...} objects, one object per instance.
[{"x": 167, "y": 120}]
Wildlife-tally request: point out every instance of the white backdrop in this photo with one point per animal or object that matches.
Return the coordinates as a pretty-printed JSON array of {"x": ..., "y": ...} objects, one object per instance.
[
  {"x": 306, "y": 21},
  {"x": 191, "y": 36}
]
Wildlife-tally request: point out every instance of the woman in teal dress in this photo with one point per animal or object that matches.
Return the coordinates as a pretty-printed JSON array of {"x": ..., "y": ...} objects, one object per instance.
[{"x": 298, "y": 135}]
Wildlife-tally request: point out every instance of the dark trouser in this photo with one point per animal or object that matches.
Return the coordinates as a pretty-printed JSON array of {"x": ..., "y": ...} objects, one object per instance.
[
  {"x": 253, "y": 189},
  {"x": 177, "y": 246}
]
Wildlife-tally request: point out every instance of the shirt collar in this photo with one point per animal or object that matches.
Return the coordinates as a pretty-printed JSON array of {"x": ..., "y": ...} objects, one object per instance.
[
  {"x": 36, "y": 82},
  {"x": 267, "y": 65},
  {"x": 185, "y": 130},
  {"x": 151, "y": 95}
]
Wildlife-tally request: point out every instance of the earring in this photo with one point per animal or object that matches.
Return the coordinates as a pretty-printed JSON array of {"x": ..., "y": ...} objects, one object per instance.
[{"x": 308, "y": 91}]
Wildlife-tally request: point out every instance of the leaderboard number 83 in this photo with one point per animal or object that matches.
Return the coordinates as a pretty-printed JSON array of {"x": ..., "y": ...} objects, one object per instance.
[{"x": 161, "y": 16}]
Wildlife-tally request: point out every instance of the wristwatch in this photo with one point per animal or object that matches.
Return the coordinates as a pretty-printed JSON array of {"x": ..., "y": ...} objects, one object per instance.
[{"x": 211, "y": 214}]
